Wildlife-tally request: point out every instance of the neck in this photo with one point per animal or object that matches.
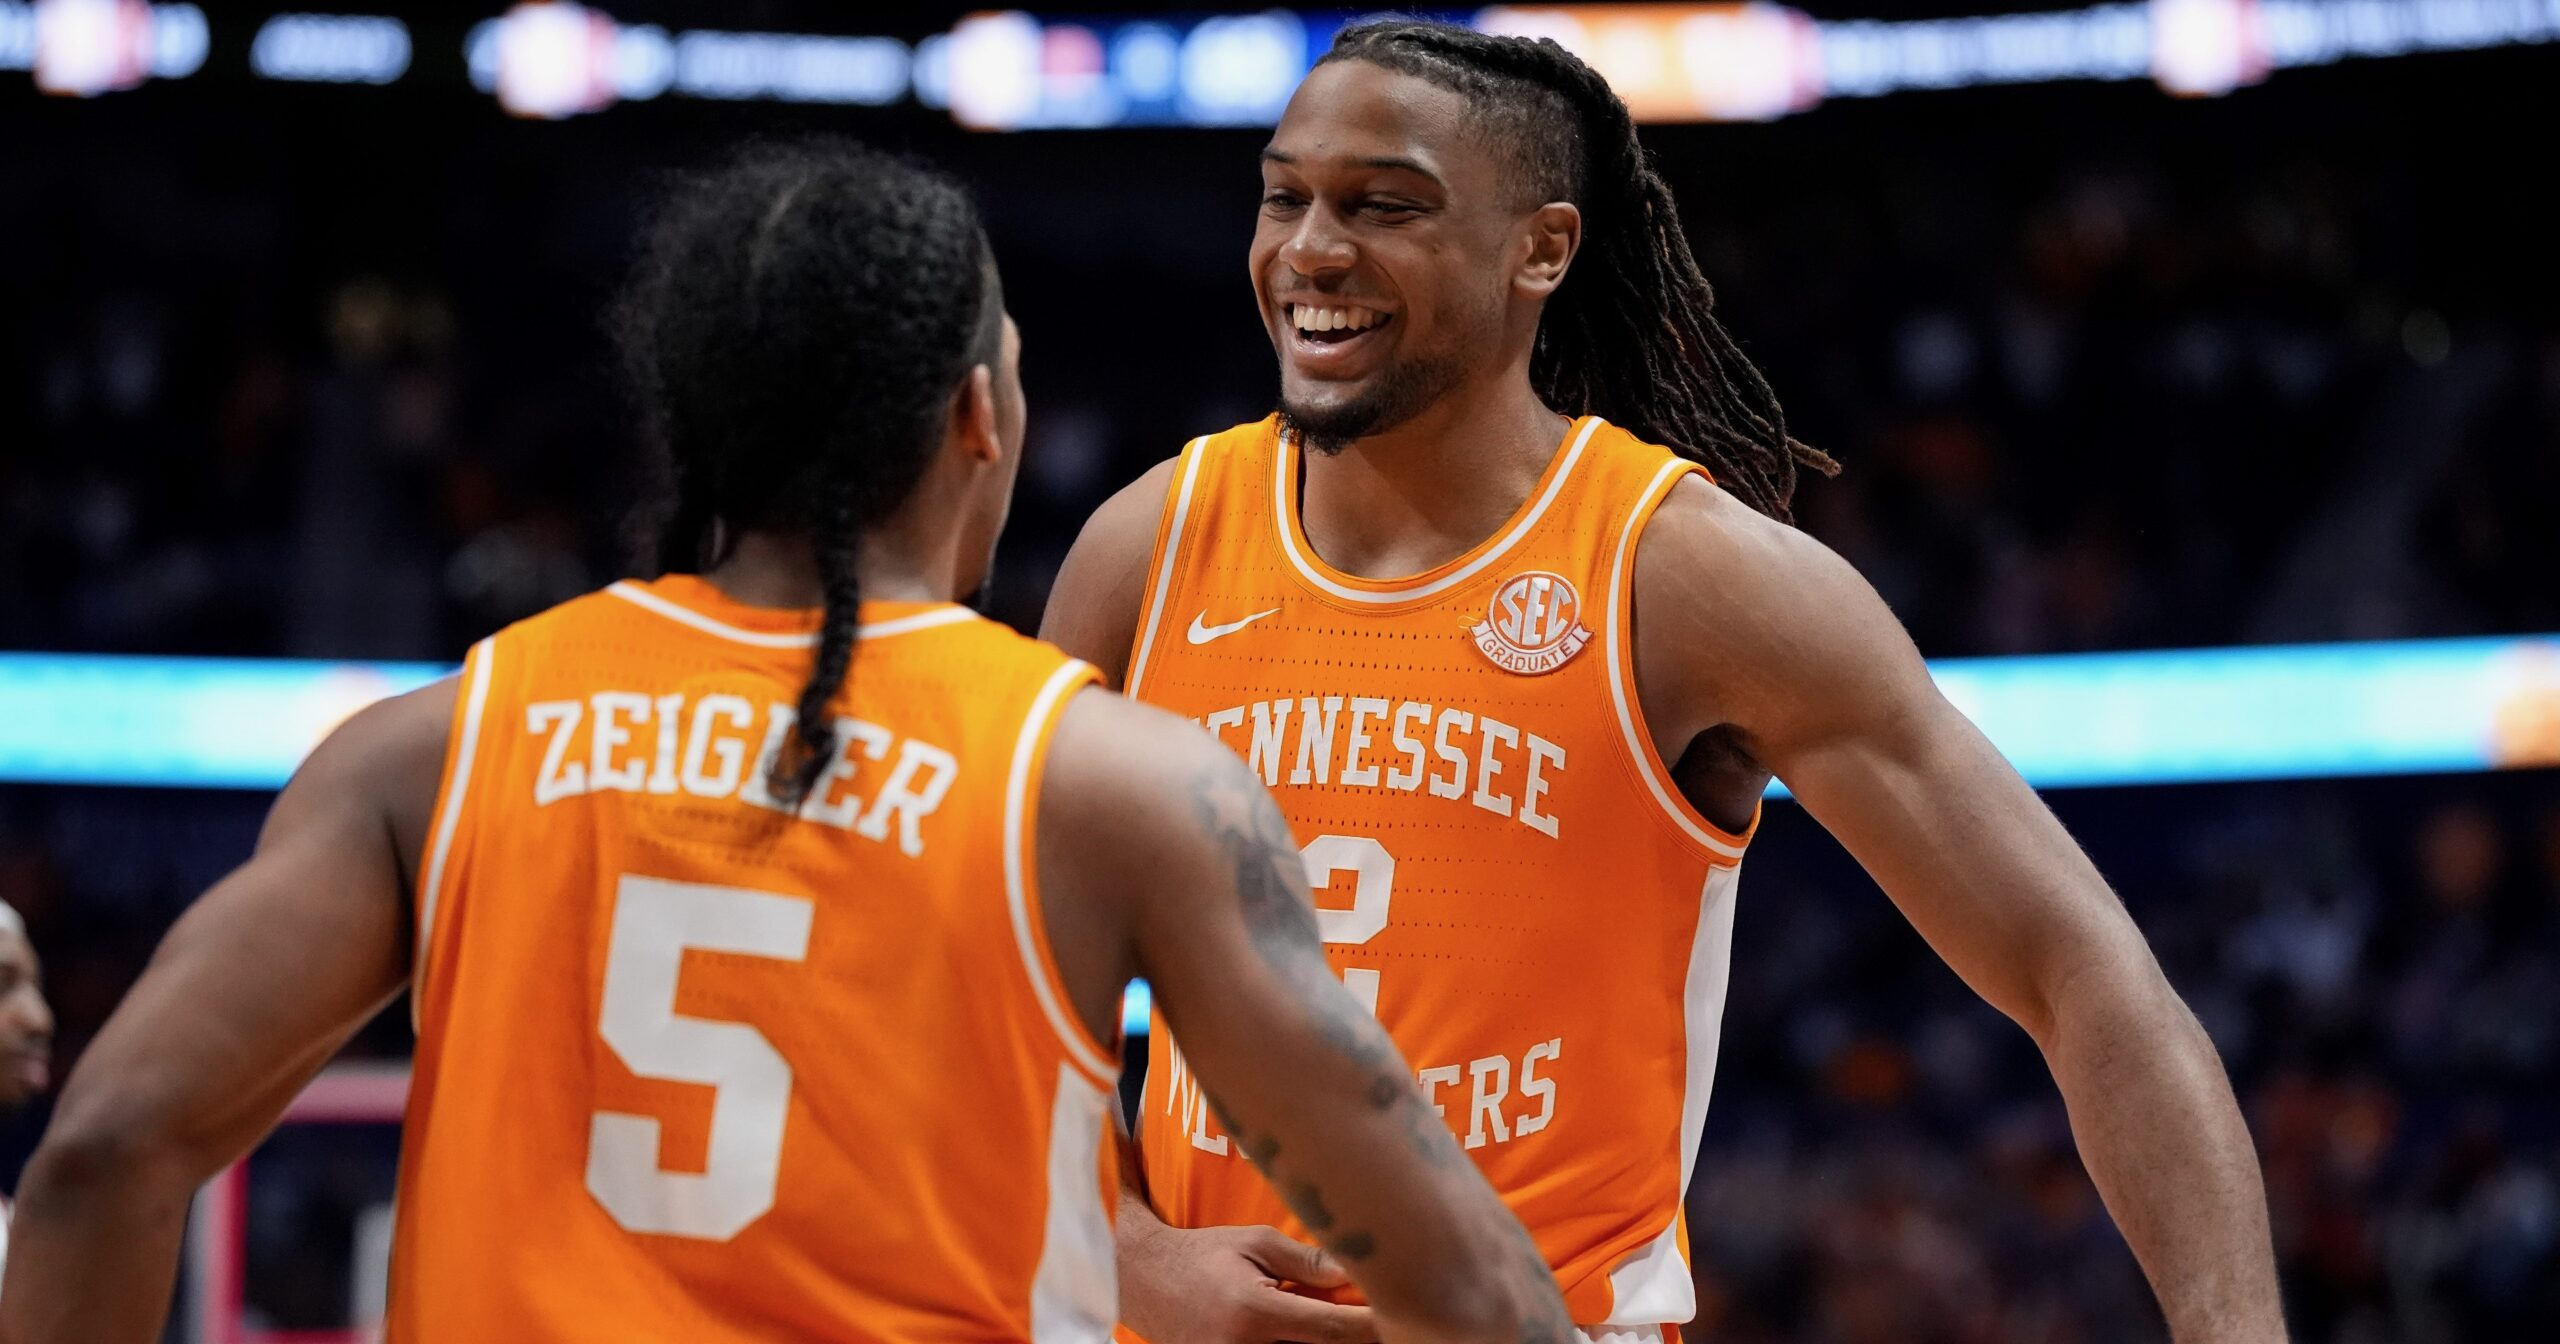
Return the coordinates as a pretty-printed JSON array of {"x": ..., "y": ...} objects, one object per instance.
[
  {"x": 771, "y": 569},
  {"x": 1414, "y": 497}
]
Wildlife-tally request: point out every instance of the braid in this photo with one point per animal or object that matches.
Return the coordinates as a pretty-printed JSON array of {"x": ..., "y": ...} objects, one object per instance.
[
  {"x": 1632, "y": 334},
  {"x": 796, "y": 770},
  {"x": 796, "y": 329}
]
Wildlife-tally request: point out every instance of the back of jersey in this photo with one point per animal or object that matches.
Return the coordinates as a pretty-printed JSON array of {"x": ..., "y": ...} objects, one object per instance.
[{"x": 694, "y": 1067}]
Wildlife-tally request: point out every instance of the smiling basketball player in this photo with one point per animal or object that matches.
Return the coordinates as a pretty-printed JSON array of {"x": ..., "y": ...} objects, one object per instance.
[{"x": 1505, "y": 606}]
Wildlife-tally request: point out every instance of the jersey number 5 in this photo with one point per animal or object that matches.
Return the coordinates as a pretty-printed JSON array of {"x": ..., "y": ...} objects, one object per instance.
[{"x": 654, "y": 921}]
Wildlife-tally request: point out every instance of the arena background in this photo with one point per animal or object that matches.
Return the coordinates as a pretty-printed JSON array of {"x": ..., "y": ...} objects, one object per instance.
[{"x": 301, "y": 356}]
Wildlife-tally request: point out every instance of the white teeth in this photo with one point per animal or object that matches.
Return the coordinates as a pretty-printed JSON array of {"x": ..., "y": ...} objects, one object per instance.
[{"x": 1335, "y": 319}]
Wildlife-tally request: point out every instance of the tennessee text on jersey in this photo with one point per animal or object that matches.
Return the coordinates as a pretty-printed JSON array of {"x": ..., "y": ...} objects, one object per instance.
[{"x": 1504, "y": 870}]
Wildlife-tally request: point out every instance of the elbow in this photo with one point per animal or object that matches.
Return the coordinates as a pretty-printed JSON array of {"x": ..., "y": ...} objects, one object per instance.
[
  {"x": 1481, "y": 1314},
  {"x": 101, "y": 1144},
  {"x": 1507, "y": 1295},
  {"x": 2128, "y": 998}
]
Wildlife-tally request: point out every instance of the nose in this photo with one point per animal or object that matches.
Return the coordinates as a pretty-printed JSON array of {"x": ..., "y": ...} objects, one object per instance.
[
  {"x": 1318, "y": 246},
  {"x": 28, "y": 1015}
]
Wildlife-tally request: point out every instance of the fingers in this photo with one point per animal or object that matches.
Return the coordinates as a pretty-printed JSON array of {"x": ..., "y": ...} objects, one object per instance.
[
  {"x": 1304, "y": 1320},
  {"x": 1323, "y": 1271},
  {"x": 1284, "y": 1258}
]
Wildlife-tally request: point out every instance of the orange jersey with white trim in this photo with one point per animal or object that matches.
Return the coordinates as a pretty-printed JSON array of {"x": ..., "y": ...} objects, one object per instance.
[
  {"x": 1505, "y": 871},
  {"x": 693, "y": 1067}
]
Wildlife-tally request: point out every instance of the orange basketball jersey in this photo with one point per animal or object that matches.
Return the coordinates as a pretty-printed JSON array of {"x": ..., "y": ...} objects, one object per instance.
[
  {"x": 1505, "y": 871},
  {"x": 691, "y": 1067}
]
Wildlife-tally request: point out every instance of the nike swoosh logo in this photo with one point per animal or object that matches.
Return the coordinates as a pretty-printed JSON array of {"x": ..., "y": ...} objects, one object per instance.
[{"x": 1202, "y": 634}]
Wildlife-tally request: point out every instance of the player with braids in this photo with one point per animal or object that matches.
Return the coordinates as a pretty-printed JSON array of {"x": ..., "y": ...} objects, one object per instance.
[
  {"x": 1505, "y": 605},
  {"x": 1634, "y": 337},
  {"x": 727, "y": 1041},
  {"x": 792, "y": 386}
]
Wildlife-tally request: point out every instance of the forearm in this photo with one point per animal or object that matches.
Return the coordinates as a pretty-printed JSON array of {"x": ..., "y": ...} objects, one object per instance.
[
  {"x": 2163, "y": 1138},
  {"x": 93, "y": 1251}
]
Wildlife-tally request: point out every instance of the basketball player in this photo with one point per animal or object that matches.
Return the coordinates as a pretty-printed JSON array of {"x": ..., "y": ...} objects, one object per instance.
[
  {"x": 26, "y": 1032},
  {"x": 1505, "y": 605},
  {"x": 766, "y": 927}
]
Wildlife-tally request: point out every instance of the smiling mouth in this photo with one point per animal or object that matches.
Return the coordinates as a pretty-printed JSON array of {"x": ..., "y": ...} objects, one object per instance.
[{"x": 1333, "y": 326}]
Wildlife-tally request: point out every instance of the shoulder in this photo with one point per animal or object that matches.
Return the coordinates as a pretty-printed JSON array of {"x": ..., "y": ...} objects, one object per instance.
[
  {"x": 1125, "y": 525},
  {"x": 1754, "y": 615},
  {"x": 1125, "y": 790},
  {"x": 381, "y": 768},
  {"x": 1101, "y": 588},
  {"x": 1112, "y": 756}
]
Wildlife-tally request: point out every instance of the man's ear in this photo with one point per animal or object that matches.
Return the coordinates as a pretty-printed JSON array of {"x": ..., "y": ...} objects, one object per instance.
[
  {"x": 973, "y": 417},
  {"x": 1555, "y": 234}
]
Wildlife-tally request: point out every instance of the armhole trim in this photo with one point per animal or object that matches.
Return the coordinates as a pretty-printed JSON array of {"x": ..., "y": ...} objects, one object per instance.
[
  {"x": 1021, "y": 886},
  {"x": 1167, "y": 557},
  {"x": 1723, "y": 847},
  {"x": 459, "y": 758}
]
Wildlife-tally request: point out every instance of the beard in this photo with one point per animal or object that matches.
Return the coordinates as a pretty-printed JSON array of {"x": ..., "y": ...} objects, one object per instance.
[{"x": 1398, "y": 393}]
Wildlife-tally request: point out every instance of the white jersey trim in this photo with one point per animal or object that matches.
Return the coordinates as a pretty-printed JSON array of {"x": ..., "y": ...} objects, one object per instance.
[
  {"x": 769, "y": 639},
  {"x": 1075, "y": 1291},
  {"x": 1018, "y": 805},
  {"x": 449, "y": 820},
  {"x": 1187, "y": 477},
  {"x": 1653, "y": 1285},
  {"x": 1622, "y": 695},
  {"x": 1287, "y": 527}
]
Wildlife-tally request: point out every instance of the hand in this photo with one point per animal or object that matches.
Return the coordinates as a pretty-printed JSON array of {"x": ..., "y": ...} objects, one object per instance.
[{"x": 1221, "y": 1285}]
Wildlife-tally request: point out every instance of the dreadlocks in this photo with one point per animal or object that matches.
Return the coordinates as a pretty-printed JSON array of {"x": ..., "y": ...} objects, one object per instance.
[
  {"x": 798, "y": 323},
  {"x": 1632, "y": 334}
]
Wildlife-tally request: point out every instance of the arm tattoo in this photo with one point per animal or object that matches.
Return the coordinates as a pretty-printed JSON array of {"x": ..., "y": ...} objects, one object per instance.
[
  {"x": 1279, "y": 915},
  {"x": 1271, "y": 881}
]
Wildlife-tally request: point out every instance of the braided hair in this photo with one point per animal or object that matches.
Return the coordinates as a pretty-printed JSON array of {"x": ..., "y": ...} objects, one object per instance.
[
  {"x": 798, "y": 323},
  {"x": 1631, "y": 335}
]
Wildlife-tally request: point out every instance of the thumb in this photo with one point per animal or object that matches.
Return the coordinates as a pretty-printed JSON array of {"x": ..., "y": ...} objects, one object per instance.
[{"x": 1295, "y": 1261}]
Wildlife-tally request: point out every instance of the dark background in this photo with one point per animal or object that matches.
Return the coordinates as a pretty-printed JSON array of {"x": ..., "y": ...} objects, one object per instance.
[{"x": 320, "y": 371}]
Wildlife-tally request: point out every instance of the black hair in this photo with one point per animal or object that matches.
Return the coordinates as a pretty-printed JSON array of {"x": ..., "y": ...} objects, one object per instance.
[
  {"x": 799, "y": 320},
  {"x": 1631, "y": 334}
]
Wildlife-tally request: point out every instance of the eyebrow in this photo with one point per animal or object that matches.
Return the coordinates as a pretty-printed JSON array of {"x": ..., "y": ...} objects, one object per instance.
[{"x": 1395, "y": 162}]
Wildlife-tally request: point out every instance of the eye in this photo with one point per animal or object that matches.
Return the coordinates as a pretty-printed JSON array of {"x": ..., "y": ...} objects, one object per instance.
[
  {"x": 1277, "y": 199},
  {"x": 1389, "y": 211}
]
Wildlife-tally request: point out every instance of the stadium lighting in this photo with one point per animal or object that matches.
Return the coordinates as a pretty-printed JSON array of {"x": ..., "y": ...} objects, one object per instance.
[
  {"x": 2065, "y": 720},
  {"x": 1014, "y": 70},
  {"x": 83, "y": 48},
  {"x": 331, "y": 49}
]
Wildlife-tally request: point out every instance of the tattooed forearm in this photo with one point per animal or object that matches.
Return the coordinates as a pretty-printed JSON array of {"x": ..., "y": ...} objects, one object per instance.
[
  {"x": 1279, "y": 912},
  {"x": 1302, "y": 1196},
  {"x": 1449, "y": 1239},
  {"x": 1271, "y": 880}
]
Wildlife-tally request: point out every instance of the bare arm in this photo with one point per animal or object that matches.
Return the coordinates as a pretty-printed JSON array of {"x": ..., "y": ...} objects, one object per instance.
[
  {"x": 1180, "y": 1286},
  {"x": 1751, "y": 625},
  {"x": 253, "y": 990},
  {"x": 1159, "y": 829},
  {"x": 1101, "y": 589}
]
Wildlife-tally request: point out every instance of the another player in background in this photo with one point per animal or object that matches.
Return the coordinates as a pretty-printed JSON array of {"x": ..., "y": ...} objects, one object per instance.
[
  {"x": 1520, "y": 678},
  {"x": 767, "y": 924},
  {"x": 26, "y": 1032}
]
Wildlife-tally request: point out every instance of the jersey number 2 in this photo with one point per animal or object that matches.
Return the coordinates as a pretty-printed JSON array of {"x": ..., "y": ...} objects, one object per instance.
[
  {"x": 1373, "y": 871},
  {"x": 654, "y": 922}
]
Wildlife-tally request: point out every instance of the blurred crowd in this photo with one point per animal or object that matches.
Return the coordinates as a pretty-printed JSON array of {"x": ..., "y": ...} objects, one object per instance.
[
  {"x": 2380, "y": 966},
  {"x": 2266, "y": 371}
]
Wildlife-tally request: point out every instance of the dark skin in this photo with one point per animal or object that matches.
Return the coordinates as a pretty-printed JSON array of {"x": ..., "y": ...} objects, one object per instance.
[
  {"x": 1758, "y": 653},
  {"x": 26, "y": 1020},
  {"x": 1159, "y": 854}
]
